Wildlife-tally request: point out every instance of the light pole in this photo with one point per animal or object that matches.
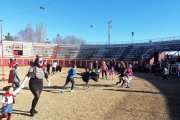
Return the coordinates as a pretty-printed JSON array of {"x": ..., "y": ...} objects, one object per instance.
[
  {"x": 109, "y": 31},
  {"x": 2, "y": 57},
  {"x": 132, "y": 37}
]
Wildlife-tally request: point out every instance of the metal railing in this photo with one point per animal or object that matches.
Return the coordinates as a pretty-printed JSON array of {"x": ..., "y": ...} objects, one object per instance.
[{"x": 148, "y": 41}]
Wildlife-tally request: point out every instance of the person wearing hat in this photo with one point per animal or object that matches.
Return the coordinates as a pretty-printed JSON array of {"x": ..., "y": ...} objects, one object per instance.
[{"x": 36, "y": 75}]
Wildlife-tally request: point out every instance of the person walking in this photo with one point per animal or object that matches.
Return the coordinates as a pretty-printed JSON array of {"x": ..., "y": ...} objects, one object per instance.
[
  {"x": 36, "y": 75},
  {"x": 70, "y": 78}
]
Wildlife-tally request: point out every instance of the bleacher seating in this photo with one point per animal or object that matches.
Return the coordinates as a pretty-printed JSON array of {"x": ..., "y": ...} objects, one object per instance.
[
  {"x": 68, "y": 51},
  {"x": 44, "y": 50},
  {"x": 136, "y": 53},
  {"x": 125, "y": 52}
]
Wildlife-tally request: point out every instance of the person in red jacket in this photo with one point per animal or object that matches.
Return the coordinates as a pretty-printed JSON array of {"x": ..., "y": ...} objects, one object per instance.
[
  {"x": 104, "y": 69},
  {"x": 11, "y": 64}
]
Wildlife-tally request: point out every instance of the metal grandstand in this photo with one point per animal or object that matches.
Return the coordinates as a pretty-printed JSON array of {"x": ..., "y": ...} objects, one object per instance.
[{"x": 125, "y": 52}]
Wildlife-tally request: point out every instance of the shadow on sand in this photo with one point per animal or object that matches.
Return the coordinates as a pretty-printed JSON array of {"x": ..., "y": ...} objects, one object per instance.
[
  {"x": 169, "y": 88},
  {"x": 136, "y": 91},
  {"x": 20, "y": 112}
]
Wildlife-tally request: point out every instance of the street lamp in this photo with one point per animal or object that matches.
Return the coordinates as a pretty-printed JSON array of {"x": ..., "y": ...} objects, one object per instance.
[
  {"x": 109, "y": 30},
  {"x": 132, "y": 34}
]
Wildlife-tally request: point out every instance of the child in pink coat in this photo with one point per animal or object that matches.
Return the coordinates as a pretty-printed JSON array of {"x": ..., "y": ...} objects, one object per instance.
[{"x": 111, "y": 73}]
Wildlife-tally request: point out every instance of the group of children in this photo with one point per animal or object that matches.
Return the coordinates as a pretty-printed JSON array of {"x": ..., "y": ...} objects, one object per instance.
[
  {"x": 125, "y": 73},
  {"x": 10, "y": 91},
  {"x": 104, "y": 69}
]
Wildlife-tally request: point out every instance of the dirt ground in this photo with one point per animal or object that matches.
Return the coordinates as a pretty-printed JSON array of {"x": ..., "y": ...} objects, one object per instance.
[{"x": 149, "y": 98}]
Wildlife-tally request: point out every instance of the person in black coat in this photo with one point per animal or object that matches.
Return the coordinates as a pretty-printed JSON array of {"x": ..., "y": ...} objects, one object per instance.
[{"x": 36, "y": 75}]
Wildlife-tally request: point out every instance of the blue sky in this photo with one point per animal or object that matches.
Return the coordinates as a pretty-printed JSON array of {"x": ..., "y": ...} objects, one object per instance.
[{"x": 148, "y": 19}]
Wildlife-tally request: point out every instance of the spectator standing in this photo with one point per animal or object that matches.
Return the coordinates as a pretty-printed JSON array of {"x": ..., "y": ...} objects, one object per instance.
[
  {"x": 104, "y": 69},
  {"x": 96, "y": 68},
  {"x": 111, "y": 73},
  {"x": 46, "y": 75},
  {"x": 165, "y": 72},
  {"x": 90, "y": 66},
  {"x": 54, "y": 65},
  {"x": 11, "y": 64},
  {"x": 16, "y": 77},
  {"x": 48, "y": 67}
]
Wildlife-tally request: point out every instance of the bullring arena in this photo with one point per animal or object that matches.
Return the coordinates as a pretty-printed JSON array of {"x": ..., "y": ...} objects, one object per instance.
[{"x": 148, "y": 98}]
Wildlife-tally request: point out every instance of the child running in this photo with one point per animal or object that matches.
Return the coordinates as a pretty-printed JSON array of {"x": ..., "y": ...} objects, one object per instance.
[{"x": 127, "y": 78}]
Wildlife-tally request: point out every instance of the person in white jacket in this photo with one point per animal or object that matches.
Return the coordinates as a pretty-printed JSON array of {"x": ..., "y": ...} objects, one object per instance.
[
  {"x": 8, "y": 101},
  {"x": 165, "y": 72}
]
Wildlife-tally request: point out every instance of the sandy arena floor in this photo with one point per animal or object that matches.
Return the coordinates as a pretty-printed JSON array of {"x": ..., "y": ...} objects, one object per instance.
[{"x": 149, "y": 98}]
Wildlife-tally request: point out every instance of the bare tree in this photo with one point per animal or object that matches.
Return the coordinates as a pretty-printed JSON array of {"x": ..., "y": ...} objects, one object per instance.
[
  {"x": 21, "y": 35},
  {"x": 27, "y": 34},
  {"x": 30, "y": 35},
  {"x": 40, "y": 33},
  {"x": 68, "y": 40}
]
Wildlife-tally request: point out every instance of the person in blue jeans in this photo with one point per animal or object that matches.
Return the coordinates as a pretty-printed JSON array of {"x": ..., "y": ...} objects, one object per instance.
[
  {"x": 70, "y": 78},
  {"x": 8, "y": 101}
]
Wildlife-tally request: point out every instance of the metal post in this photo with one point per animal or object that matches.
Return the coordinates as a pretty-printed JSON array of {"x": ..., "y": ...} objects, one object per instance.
[
  {"x": 109, "y": 31},
  {"x": 132, "y": 37},
  {"x": 2, "y": 58}
]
